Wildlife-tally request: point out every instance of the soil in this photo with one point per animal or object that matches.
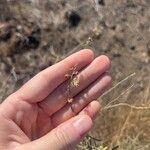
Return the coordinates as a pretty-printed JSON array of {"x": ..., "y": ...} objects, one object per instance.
[{"x": 40, "y": 33}]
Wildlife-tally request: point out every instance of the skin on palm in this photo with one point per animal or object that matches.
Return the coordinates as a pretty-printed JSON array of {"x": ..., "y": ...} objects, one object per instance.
[{"x": 40, "y": 105}]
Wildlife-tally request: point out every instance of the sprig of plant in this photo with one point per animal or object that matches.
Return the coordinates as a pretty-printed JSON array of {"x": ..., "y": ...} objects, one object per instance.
[
  {"x": 91, "y": 143},
  {"x": 73, "y": 82}
]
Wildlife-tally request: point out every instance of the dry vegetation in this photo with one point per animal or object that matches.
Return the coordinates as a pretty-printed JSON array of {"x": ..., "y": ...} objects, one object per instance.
[{"x": 43, "y": 32}]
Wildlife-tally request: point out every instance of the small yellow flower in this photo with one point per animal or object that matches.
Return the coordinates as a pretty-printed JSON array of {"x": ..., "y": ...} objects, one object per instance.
[{"x": 75, "y": 82}]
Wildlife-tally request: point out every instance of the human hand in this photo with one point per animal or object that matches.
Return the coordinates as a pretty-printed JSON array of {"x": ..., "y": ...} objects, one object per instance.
[{"x": 38, "y": 117}]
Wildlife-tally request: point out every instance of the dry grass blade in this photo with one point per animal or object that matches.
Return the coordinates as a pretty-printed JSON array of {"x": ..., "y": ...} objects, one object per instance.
[
  {"x": 125, "y": 79},
  {"x": 129, "y": 88},
  {"x": 127, "y": 105}
]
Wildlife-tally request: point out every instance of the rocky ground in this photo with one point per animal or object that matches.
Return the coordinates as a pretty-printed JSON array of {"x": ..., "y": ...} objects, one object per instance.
[{"x": 35, "y": 34}]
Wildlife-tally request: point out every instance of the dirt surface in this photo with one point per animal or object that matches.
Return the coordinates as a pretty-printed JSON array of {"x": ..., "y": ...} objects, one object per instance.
[{"x": 38, "y": 34}]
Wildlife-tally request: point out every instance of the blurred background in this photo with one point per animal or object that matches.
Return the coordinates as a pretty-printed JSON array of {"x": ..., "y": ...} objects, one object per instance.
[{"x": 35, "y": 34}]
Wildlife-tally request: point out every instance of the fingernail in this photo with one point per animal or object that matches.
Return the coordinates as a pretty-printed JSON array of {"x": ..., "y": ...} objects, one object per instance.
[{"x": 83, "y": 124}]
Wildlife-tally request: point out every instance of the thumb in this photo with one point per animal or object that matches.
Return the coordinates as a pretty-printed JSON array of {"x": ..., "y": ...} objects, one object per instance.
[{"x": 65, "y": 136}]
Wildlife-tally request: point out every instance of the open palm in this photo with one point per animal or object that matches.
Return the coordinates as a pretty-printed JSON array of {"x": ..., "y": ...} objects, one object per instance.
[{"x": 33, "y": 117}]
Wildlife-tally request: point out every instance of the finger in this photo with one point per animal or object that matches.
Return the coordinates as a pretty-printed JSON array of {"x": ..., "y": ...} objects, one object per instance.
[
  {"x": 65, "y": 137},
  {"x": 40, "y": 86},
  {"x": 92, "y": 109},
  {"x": 81, "y": 100},
  {"x": 58, "y": 98}
]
